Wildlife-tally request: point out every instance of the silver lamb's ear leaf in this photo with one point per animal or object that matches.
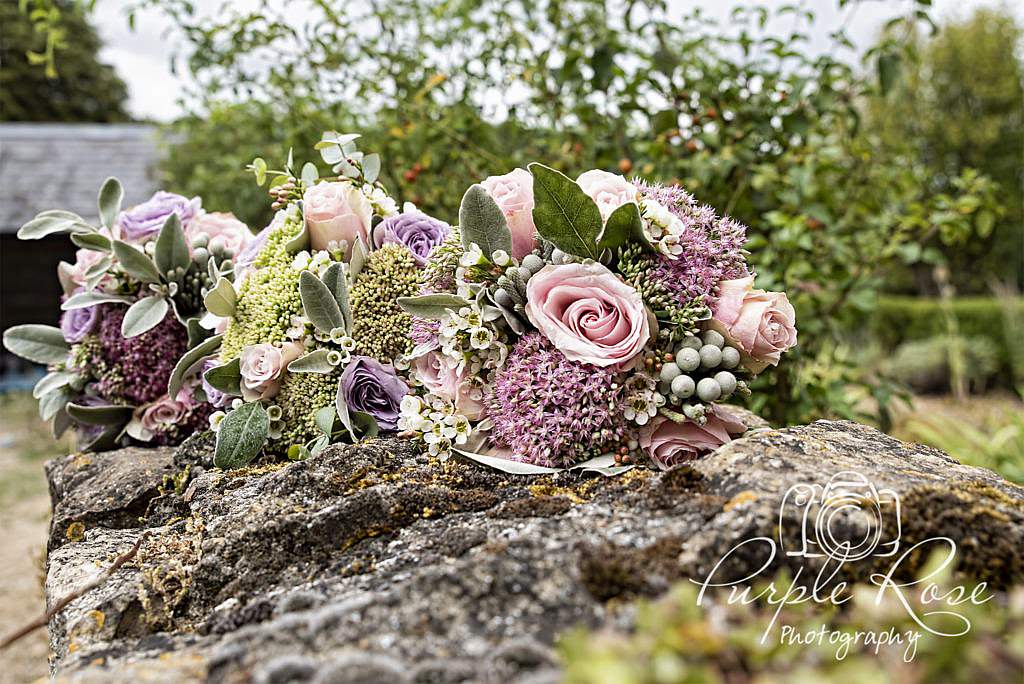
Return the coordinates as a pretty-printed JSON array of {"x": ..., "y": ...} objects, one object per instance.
[
  {"x": 299, "y": 242},
  {"x": 135, "y": 263},
  {"x": 432, "y": 306},
  {"x": 109, "y": 201},
  {"x": 51, "y": 222},
  {"x": 52, "y": 381},
  {"x": 313, "y": 362},
  {"x": 100, "y": 415},
  {"x": 241, "y": 436},
  {"x": 84, "y": 299},
  {"x": 187, "y": 362},
  {"x": 358, "y": 258},
  {"x": 335, "y": 280},
  {"x": 319, "y": 304},
  {"x": 172, "y": 249},
  {"x": 53, "y": 402},
  {"x": 482, "y": 222},
  {"x": 144, "y": 315},
  {"x": 38, "y": 343},
  {"x": 344, "y": 415},
  {"x": 97, "y": 242},
  {"x": 222, "y": 299}
]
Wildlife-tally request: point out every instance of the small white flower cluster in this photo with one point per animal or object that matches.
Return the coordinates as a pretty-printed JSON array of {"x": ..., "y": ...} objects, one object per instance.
[
  {"x": 436, "y": 421},
  {"x": 662, "y": 227},
  {"x": 642, "y": 399},
  {"x": 382, "y": 204},
  {"x": 317, "y": 262},
  {"x": 470, "y": 338}
]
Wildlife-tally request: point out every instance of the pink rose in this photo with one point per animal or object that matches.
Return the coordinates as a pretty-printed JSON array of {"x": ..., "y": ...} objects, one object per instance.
[
  {"x": 72, "y": 276},
  {"x": 223, "y": 230},
  {"x": 609, "y": 190},
  {"x": 588, "y": 313},
  {"x": 669, "y": 443},
  {"x": 160, "y": 416},
  {"x": 513, "y": 192},
  {"x": 445, "y": 381},
  {"x": 762, "y": 324},
  {"x": 262, "y": 366},
  {"x": 336, "y": 212}
]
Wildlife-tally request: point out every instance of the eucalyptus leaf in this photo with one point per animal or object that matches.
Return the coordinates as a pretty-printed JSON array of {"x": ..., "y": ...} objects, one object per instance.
[
  {"x": 319, "y": 444},
  {"x": 325, "y": 418},
  {"x": 38, "y": 343},
  {"x": 109, "y": 201},
  {"x": 310, "y": 174},
  {"x": 172, "y": 248},
  {"x": 337, "y": 284},
  {"x": 97, "y": 242},
  {"x": 100, "y": 415},
  {"x": 482, "y": 222},
  {"x": 371, "y": 167},
  {"x": 52, "y": 381},
  {"x": 144, "y": 315},
  {"x": 313, "y": 362},
  {"x": 135, "y": 263},
  {"x": 85, "y": 299},
  {"x": 432, "y": 306},
  {"x": 319, "y": 304},
  {"x": 241, "y": 436},
  {"x": 227, "y": 377},
  {"x": 187, "y": 362},
  {"x": 564, "y": 214},
  {"x": 222, "y": 300}
]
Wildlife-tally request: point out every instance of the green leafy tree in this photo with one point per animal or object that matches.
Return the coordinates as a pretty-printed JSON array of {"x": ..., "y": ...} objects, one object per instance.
[{"x": 80, "y": 89}]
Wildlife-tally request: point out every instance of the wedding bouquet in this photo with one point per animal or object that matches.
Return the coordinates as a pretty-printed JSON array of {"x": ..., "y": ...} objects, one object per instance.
[
  {"x": 309, "y": 331},
  {"x": 597, "y": 322},
  {"x": 132, "y": 304}
]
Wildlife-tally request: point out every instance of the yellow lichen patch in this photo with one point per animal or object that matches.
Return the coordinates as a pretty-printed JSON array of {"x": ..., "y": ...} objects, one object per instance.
[
  {"x": 166, "y": 562},
  {"x": 743, "y": 497},
  {"x": 75, "y": 532},
  {"x": 256, "y": 470}
]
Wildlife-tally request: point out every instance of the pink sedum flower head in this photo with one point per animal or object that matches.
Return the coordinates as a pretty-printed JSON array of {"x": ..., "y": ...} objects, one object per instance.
[
  {"x": 762, "y": 324},
  {"x": 669, "y": 443},
  {"x": 444, "y": 380},
  {"x": 335, "y": 212},
  {"x": 609, "y": 190},
  {"x": 513, "y": 193},
  {"x": 588, "y": 314},
  {"x": 262, "y": 366},
  {"x": 223, "y": 230}
]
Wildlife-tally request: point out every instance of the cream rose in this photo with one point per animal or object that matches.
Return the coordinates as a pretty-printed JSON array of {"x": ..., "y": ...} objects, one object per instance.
[
  {"x": 336, "y": 212},
  {"x": 762, "y": 324},
  {"x": 588, "y": 313},
  {"x": 160, "y": 416},
  {"x": 224, "y": 231},
  {"x": 445, "y": 381},
  {"x": 669, "y": 443},
  {"x": 72, "y": 276},
  {"x": 513, "y": 193},
  {"x": 262, "y": 366},
  {"x": 609, "y": 190}
]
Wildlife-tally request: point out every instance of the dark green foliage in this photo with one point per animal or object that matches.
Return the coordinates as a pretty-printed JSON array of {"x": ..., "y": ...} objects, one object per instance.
[{"x": 83, "y": 89}]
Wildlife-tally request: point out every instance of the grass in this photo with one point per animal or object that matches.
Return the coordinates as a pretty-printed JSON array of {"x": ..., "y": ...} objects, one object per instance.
[{"x": 25, "y": 442}]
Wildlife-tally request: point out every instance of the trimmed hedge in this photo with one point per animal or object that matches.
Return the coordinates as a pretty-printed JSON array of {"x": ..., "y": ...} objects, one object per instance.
[{"x": 896, "y": 320}]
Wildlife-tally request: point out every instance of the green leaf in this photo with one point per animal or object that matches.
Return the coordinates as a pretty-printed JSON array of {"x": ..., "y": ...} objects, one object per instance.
[
  {"x": 109, "y": 201},
  {"x": 481, "y": 222},
  {"x": 135, "y": 263},
  {"x": 371, "y": 167},
  {"x": 319, "y": 304},
  {"x": 172, "y": 248},
  {"x": 97, "y": 242},
  {"x": 985, "y": 221},
  {"x": 888, "y": 70},
  {"x": 38, "y": 343},
  {"x": 259, "y": 167},
  {"x": 623, "y": 226},
  {"x": 144, "y": 315},
  {"x": 334, "y": 279},
  {"x": 325, "y": 418},
  {"x": 51, "y": 222},
  {"x": 222, "y": 300},
  {"x": 241, "y": 436},
  {"x": 189, "y": 360},
  {"x": 227, "y": 377},
  {"x": 665, "y": 120},
  {"x": 100, "y": 415},
  {"x": 433, "y": 306},
  {"x": 313, "y": 362},
  {"x": 364, "y": 424},
  {"x": 564, "y": 214},
  {"x": 52, "y": 381},
  {"x": 84, "y": 299}
]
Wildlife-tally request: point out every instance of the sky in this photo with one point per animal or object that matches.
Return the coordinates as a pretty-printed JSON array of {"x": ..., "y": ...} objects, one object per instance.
[{"x": 143, "y": 56}]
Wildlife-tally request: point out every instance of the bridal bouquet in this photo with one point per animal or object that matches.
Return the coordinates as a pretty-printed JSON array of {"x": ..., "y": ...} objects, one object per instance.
[
  {"x": 590, "y": 323},
  {"x": 132, "y": 304},
  {"x": 309, "y": 331}
]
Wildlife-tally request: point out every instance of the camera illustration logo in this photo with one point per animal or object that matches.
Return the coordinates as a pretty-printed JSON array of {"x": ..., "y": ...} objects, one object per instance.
[{"x": 846, "y": 520}]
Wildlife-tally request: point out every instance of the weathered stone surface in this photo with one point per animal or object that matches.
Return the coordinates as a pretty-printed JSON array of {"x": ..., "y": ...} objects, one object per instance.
[{"x": 375, "y": 563}]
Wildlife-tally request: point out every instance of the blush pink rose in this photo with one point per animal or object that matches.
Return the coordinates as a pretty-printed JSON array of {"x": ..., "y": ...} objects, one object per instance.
[
  {"x": 72, "y": 276},
  {"x": 336, "y": 212},
  {"x": 223, "y": 230},
  {"x": 160, "y": 416},
  {"x": 443, "y": 380},
  {"x": 513, "y": 193},
  {"x": 762, "y": 324},
  {"x": 262, "y": 366},
  {"x": 588, "y": 313},
  {"x": 609, "y": 190},
  {"x": 669, "y": 443}
]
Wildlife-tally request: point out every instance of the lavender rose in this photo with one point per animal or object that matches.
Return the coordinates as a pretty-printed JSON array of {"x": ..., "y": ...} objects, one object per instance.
[
  {"x": 77, "y": 323},
  {"x": 669, "y": 443},
  {"x": 373, "y": 388},
  {"x": 143, "y": 222},
  {"x": 414, "y": 229}
]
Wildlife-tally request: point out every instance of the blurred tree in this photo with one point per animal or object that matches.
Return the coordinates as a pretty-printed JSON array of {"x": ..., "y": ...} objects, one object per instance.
[
  {"x": 82, "y": 89},
  {"x": 960, "y": 104}
]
